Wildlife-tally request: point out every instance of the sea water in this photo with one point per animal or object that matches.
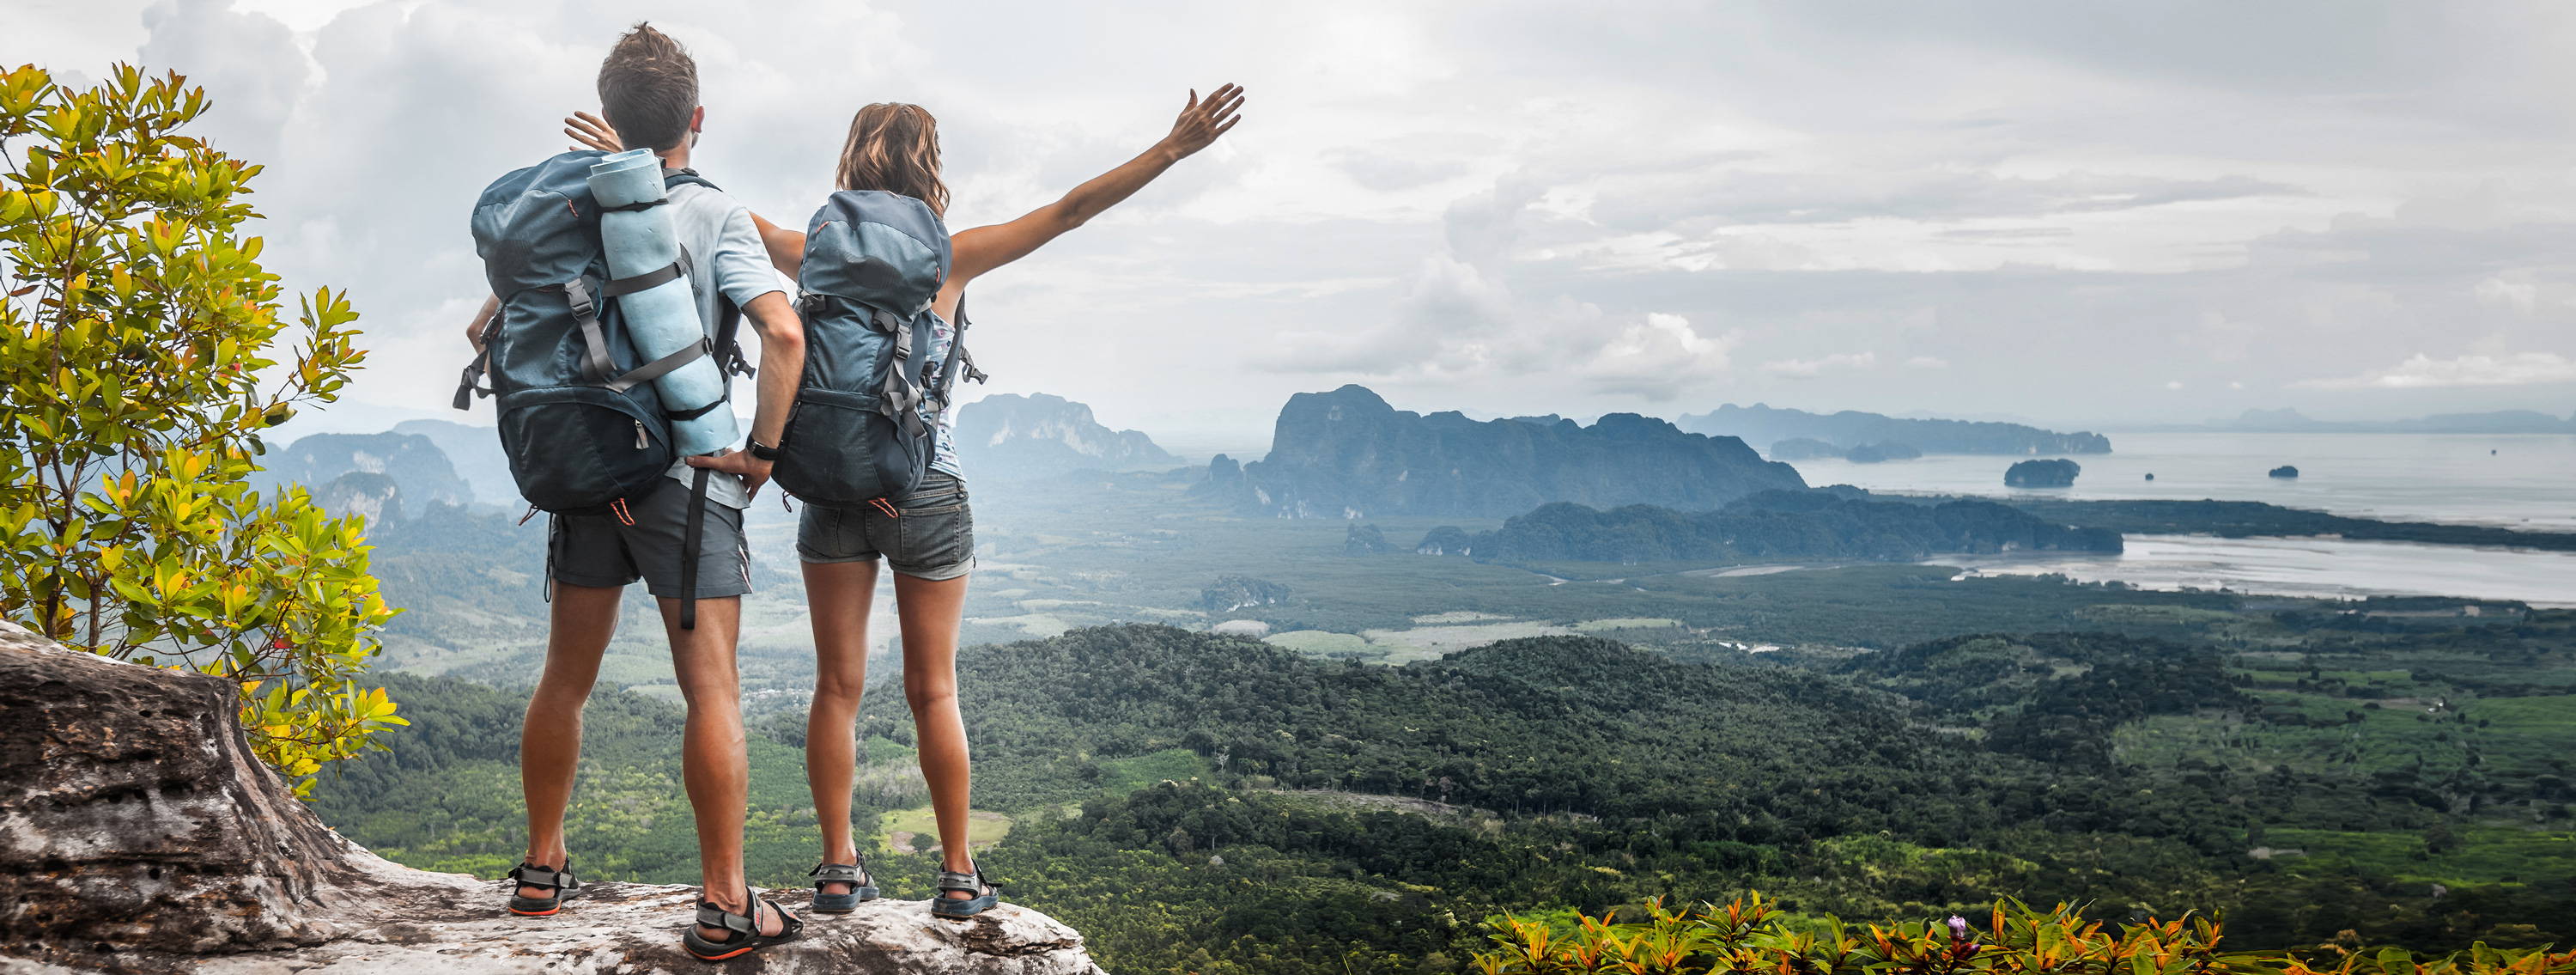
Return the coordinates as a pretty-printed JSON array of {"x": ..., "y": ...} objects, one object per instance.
[
  {"x": 2520, "y": 481},
  {"x": 2525, "y": 481}
]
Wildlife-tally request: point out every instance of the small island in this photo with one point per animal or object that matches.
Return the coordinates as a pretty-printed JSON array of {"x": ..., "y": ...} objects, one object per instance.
[
  {"x": 2042, "y": 473},
  {"x": 2151, "y": 475},
  {"x": 2285, "y": 471}
]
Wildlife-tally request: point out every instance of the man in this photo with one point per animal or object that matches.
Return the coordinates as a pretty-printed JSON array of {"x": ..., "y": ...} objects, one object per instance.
[{"x": 648, "y": 89}]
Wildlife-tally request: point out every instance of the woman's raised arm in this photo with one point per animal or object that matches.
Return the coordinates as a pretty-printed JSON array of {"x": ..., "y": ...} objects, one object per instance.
[{"x": 982, "y": 249}]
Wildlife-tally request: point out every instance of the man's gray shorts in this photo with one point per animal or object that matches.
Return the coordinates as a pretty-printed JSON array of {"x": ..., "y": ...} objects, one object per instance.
[
  {"x": 930, "y": 535},
  {"x": 606, "y": 552}
]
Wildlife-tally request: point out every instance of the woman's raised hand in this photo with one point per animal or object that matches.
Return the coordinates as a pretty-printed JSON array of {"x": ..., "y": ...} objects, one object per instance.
[
  {"x": 1203, "y": 119},
  {"x": 591, "y": 131}
]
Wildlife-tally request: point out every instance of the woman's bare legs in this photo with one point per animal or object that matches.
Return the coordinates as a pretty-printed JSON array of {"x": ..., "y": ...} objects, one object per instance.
[
  {"x": 931, "y": 612},
  {"x": 837, "y": 595}
]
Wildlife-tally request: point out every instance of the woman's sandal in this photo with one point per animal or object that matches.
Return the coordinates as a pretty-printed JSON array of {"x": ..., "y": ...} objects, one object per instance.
[
  {"x": 853, "y": 874},
  {"x": 983, "y": 895},
  {"x": 742, "y": 932},
  {"x": 561, "y": 881}
]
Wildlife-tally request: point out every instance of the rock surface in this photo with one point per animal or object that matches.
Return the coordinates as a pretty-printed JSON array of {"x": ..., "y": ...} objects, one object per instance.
[{"x": 139, "y": 834}]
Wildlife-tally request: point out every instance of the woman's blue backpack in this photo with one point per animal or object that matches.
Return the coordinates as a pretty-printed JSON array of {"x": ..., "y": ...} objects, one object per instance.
[{"x": 866, "y": 413}]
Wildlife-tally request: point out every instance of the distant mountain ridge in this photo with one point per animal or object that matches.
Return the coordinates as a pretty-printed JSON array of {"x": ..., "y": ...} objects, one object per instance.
[
  {"x": 1010, "y": 435},
  {"x": 1347, "y": 453},
  {"x": 380, "y": 475},
  {"x": 475, "y": 453},
  {"x": 2498, "y": 421},
  {"x": 1836, "y": 523},
  {"x": 1766, "y": 425}
]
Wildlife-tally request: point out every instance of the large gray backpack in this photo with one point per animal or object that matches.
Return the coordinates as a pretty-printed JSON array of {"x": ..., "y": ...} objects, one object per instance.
[
  {"x": 582, "y": 427},
  {"x": 862, "y": 426}
]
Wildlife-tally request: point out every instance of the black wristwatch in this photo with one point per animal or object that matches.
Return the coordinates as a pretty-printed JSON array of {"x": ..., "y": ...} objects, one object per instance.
[{"x": 761, "y": 451}]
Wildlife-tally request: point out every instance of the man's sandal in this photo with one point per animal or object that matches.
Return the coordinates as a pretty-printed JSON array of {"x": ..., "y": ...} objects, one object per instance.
[
  {"x": 982, "y": 895},
  {"x": 742, "y": 932},
  {"x": 562, "y": 882},
  {"x": 853, "y": 874}
]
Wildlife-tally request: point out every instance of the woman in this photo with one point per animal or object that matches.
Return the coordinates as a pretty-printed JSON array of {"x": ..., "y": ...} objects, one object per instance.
[{"x": 928, "y": 540}]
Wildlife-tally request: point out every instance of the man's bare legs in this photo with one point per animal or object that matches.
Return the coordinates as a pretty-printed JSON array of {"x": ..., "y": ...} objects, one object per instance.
[
  {"x": 930, "y": 612},
  {"x": 837, "y": 596},
  {"x": 583, "y": 618},
  {"x": 713, "y": 762}
]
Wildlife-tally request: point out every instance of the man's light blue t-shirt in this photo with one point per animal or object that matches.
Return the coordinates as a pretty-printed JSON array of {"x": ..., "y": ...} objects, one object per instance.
[{"x": 726, "y": 260}]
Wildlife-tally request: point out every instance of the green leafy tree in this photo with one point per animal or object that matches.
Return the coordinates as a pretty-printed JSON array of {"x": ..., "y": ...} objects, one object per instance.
[{"x": 136, "y": 343}]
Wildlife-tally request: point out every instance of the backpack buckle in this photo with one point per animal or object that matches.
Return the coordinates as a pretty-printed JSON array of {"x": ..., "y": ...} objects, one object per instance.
[{"x": 579, "y": 295}]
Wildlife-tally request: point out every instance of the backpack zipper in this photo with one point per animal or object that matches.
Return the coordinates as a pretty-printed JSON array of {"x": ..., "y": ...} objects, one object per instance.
[{"x": 639, "y": 435}]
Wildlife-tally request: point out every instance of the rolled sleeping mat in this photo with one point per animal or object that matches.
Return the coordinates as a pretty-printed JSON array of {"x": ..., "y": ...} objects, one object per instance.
[{"x": 662, "y": 319}]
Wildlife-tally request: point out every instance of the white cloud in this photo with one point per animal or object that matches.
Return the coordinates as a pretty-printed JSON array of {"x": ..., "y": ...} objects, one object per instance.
[
  {"x": 1489, "y": 206},
  {"x": 2421, "y": 371},
  {"x": 1659, "y": 358},
  {"x": 1811, "y": 368},
  {"x": 2519, "y": 296}
]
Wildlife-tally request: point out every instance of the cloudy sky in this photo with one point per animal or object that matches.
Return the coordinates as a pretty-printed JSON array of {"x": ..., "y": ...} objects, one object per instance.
[{"x": 2077, "y": 213}]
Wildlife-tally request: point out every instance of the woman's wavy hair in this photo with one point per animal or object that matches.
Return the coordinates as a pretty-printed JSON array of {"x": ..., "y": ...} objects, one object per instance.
[{"x": 894, "y": 147}]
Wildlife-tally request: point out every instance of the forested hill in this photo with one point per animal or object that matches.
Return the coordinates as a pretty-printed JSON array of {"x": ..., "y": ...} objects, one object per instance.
[
  {"x": 2057, "y": 696},
  {"x": 1347, "y": 453},
  {"x": 1763, "y": 426},
  {"x": 1773, "y": 524},
  {"x": 1326, "y": 816},
  {"x": 1541, "y": 725}
]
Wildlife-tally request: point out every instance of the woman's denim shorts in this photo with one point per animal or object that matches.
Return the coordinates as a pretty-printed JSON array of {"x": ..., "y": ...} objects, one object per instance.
[{"x": 930, "y": 533}]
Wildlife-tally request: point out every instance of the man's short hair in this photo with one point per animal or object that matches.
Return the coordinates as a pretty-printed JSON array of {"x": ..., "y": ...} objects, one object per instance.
[{"x": 648, "y": 88}]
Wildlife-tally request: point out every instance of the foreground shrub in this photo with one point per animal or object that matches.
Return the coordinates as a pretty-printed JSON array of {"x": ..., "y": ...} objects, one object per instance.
[{"x": 1750, "y": 935}]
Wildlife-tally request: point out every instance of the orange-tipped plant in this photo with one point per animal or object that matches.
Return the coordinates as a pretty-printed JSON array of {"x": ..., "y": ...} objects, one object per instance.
[{"x": 1752, "y": 936}]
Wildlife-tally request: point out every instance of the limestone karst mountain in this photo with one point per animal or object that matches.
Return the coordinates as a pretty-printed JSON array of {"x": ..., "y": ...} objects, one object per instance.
[
  {"x": 415, "y": 467},
  {"x": 1009, "y": 435},
  {"x": 1347, "y": 453}
]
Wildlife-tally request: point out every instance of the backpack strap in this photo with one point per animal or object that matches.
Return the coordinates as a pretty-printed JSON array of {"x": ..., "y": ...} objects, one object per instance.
[
  {"x": 898, "y": 398},
  {"x": 690, "y": 535},
  {"x": 650, "y": 279},
  {"x": 658, "y": 368},
  {"x": 958, "y": 358},
  {"x": 676, "y": 177},
  {"x": 728, "y": 341},
  {"x": 594, "y": 339},
  {"x": 466, "y": 389}
]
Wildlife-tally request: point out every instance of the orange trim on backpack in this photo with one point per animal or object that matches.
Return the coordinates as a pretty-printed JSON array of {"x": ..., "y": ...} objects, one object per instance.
[
  {"x": 619, "y": 508},
  {"x": 881, "y": 505}
]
